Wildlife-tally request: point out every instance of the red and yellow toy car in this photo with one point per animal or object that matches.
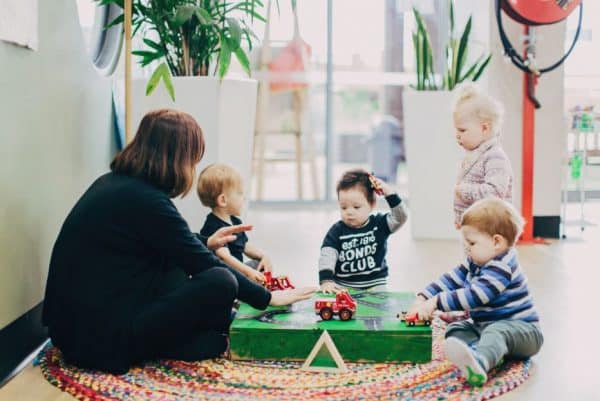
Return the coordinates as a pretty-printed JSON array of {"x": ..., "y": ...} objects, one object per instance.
[
  {"x": 413, "y": 319},
  {"x": 344, "y": 306}
]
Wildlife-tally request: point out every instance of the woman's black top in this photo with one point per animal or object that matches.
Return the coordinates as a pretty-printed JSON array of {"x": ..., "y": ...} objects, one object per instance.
[{"x": 114, "y": 253}]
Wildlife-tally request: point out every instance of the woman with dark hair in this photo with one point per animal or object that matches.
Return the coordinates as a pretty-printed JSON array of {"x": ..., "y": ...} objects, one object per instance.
[{"x": 128, "y": 280}]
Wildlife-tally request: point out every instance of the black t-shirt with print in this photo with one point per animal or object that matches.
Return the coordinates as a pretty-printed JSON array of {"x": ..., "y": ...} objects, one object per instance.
[{"x": 360, "y": 252}]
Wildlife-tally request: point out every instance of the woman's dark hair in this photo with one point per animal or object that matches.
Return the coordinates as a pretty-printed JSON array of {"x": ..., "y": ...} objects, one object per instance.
[
  {"x": 357, "y": 178},
  {"x": 166, "y": 148}
]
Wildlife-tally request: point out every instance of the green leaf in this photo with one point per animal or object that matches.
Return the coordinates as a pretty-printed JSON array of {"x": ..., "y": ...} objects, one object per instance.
[
  {"x": 462, "y": 49},
  {"x": 418, "y": 65},
  {"x": 469, "y": 72},
  {"x": 161, "y": 72},
  {"x": 116, "y": 21},
  {"x": 236, "y": 33},
  {"x": 184, "y": 14},
  {"x": 156, "y": 46},
  {"x": 147, "y": 56},
  {"x": 224, "y": 57},
  {"x": 203, "y": 16},
  {"x": 451, "y": 19},
  {"x": 243, "y": 59},
  {"x": 424, "y": 54},
  {"x": 108, "y": 2},
  {"x": 257, "y": 16},
  {"x": 480, "y": 70}
]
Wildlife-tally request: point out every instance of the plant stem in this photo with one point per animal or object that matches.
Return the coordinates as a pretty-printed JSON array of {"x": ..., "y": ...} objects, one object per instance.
[{"x": 186, "y": 53}]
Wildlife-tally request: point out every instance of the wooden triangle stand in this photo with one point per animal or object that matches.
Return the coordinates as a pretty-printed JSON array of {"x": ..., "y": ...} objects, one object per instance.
[{"x": 325, "y": 340}]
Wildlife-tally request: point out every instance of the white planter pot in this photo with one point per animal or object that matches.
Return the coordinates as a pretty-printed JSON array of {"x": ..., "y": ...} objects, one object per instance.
[
  {"x": 224, "y": 109},
  {"x": 433, "y": 157}
]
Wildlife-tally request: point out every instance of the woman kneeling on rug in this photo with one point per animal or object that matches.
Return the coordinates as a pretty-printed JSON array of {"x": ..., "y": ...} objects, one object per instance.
[{"x": 128, "y": 280}]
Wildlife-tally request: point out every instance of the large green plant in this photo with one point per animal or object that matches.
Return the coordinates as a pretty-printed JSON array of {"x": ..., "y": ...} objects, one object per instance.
[
  {"x": 456, "y": 50},
  {"x": 191, "y": 37}
]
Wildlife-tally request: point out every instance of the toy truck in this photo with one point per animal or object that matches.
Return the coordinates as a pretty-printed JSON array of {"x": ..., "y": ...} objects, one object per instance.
[
  {"x": 413, "y": 319},
  {"x": 277, "y": 283},
  {"x": 344, "y": 306}
]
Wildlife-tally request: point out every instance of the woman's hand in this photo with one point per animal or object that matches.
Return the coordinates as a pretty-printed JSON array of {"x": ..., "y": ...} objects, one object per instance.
[
  {"x": 330, "y": 287},
  {"x": 224, "y": 235},
  {"x": 265, "y": 265},
  {"x": 288, "y": 297}
]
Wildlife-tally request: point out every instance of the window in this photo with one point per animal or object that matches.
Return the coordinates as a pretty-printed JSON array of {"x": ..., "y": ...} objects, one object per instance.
[{"x": 103, "y": 45}]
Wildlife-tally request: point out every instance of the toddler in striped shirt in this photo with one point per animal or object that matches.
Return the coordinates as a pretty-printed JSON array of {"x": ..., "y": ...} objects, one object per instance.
[{"x": 492, "y": 286}]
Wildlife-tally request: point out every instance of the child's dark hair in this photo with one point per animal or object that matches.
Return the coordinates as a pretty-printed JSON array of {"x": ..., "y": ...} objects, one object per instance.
[{"x": 357, "y": 178}]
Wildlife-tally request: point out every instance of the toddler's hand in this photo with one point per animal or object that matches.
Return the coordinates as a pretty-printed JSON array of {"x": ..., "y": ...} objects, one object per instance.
[
  {"x": 424, "y": 309},
  {"x": 419, "y": 299},
  {"x": 330, "y": 287},
  {"x": 265, "y": 265},
  {"x": 384, "y": 187},
  {"x": 255, "y": 276}
]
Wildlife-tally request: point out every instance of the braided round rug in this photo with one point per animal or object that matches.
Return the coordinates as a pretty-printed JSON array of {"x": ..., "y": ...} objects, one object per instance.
[{"x": 222, "y": 379}]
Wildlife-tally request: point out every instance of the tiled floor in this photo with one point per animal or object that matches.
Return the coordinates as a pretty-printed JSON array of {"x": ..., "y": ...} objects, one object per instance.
[{"x": 564, "y": 277}]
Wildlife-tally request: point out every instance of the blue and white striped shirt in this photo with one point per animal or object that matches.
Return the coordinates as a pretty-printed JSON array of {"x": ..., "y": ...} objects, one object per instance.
[{"x": 495, "y": 291}]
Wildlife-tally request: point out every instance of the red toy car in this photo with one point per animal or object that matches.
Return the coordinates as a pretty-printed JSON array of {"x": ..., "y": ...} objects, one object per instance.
[
  {"x": 343, "y": 305},
  {"x": 413, "y": 319},
  {"x": 277, "y": 283},
  {"x": 374, "y": 184}
]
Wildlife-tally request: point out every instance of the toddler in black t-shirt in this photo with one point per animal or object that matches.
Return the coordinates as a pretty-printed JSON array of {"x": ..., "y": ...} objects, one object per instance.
[
  {"x": 354, "y": 249},
  {"x": 220, "y": 188}
]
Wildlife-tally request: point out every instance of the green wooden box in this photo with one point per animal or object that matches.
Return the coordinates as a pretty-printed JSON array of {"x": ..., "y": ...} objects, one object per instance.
[{"x": 373, "y": 335}]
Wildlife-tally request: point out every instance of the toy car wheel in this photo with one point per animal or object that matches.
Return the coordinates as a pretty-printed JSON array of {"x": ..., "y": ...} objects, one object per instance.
[
  {"x": 326, "y": 313},
  {"x": 427, "y": 322},
  {"x": 345, "y": 314},
  {"x": 411, "y": 323}
]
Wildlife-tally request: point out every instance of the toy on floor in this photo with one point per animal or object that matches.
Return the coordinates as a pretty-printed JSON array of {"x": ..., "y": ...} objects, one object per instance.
[
  {"x": 413, "y": 319},
  {"x": 277, "y": 283},
  {"x": 344, "y": 306}
]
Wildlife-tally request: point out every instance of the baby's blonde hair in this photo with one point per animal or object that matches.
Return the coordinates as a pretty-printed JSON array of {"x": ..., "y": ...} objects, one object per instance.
[
  {"x": 215, "y": 180},
  {"x": 482, "y": 106},
  {"x": 495, "y": 216}
]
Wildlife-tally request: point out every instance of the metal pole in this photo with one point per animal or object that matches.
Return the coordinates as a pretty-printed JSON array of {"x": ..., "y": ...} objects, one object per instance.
[
  {"x": 329, "y": 102},
  {"x": 127, "y": 29},
  {"x": 528, "y": 146}
]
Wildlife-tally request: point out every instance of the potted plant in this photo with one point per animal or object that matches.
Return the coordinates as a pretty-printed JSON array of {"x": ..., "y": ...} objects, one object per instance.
[
  {"x": 429, "y": 129},
  {"x": 190, "y": 44}
]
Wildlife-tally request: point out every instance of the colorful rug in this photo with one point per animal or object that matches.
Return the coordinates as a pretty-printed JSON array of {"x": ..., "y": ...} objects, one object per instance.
[{"x": 227, "y": 380}]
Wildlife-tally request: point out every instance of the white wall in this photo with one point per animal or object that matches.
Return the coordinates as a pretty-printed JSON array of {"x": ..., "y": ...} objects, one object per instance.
[
  {"x": 56, "y": 118},
  {"x": 505, "y": 82}
]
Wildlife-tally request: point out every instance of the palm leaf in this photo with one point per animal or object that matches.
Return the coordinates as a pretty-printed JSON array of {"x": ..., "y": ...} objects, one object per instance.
[
  {"x": 161, "y": 72},
  {"x": 243, "y": 59},
  {"x": 184, "y": 14},
  {"x": 482, "y": 67},
  {"x": 224, "y": 57},
  {"x": 462, "y": 48},
  {"x": 236, "y": 33}
]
